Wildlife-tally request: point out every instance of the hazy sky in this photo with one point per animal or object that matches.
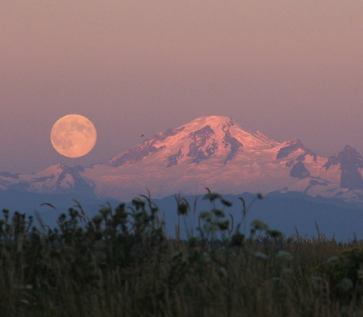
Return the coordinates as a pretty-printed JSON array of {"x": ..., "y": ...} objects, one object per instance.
[{"x": 288, "y": 68}]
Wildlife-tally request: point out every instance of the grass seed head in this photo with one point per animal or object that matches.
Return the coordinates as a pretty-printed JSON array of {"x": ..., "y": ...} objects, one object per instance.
[
  {"x": 261, "y": 255},
  {"x": 223, "y": 225},
  {"x": 182, "y": 208},
  {"x": 223, "y": 272},
  {"x": 97, "y": 219},
  {"x": 258, "y": 224},
  {"x": 332, "y": 259},
  {"x": 345, "y": 285},
  {"x": 237, "y": 239},
  {"x": 275, "y": 233},
  {"x": 284, "y": 255},
  {"x": 205, "y": 215},
  {"x": 212, "y": 196},
  {"x": 218, "y": 213},
  {"x": 211, "y": 228}
]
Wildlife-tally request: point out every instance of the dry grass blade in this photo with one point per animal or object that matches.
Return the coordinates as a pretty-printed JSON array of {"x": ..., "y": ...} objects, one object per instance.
[
  {"x": 48, "y": 204},
  {"x": 79, "y": 206},
  {"x": 40, "y": 220},
  {"x": 244, "y": 211}
]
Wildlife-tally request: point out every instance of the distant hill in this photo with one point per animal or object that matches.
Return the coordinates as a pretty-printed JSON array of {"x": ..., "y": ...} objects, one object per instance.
[{"x": 284, "y": 212}]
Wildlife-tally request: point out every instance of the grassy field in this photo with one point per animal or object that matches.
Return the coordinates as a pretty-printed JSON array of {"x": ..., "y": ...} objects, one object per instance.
[{"x": 120, "y": 263}]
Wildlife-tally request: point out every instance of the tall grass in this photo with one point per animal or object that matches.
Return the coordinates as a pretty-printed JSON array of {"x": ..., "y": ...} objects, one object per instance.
[{"x": 120, "y": 263}]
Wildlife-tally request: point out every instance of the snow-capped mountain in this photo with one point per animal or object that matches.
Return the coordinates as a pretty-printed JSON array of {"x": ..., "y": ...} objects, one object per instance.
[
  {"x": 57, "y": 178},
  {"x": 214, "y": 152}
]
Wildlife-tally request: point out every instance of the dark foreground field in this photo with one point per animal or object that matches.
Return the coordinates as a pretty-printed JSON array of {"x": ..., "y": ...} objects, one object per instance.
[{"x": 120, "y": 263}]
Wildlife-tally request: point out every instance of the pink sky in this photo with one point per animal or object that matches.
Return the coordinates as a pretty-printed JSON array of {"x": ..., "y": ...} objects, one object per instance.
[{"x": 287, "y": 68}]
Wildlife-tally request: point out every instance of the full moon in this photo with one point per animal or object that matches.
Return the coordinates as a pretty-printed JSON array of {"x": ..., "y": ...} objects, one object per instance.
[{"x": 73, "y": 135}]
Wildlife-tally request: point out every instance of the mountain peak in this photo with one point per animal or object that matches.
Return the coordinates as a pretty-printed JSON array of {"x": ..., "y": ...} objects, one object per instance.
[
  {"x": 293, "y": 146},
  {"x": 349, "y": 161},
  {"x": 213, "y": 121},
  {"x": 350, "y": 149},
  {"x": 202, "y": 138},
  {"x": 348, "y": 156}
]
